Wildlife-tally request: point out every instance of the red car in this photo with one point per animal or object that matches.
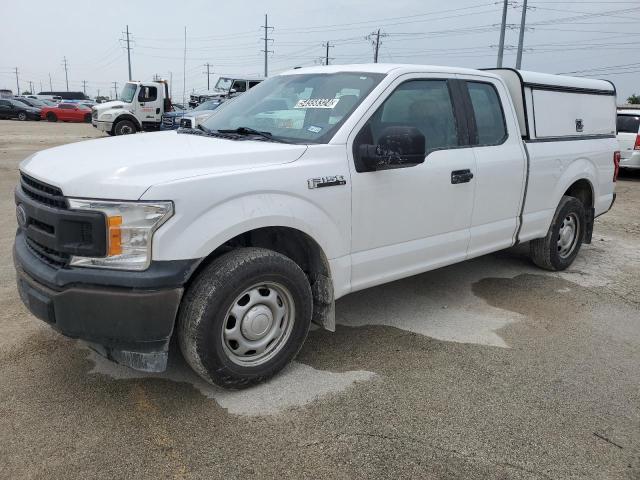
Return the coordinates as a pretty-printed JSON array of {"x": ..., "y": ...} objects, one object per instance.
[{"x": 67, "y": 112}]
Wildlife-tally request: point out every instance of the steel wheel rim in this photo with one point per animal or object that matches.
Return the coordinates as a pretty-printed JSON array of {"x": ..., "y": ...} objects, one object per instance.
[
  {"x": 258, "y": 324},
  {"x": 126, "y": 130},
  {"x": 568, "y": 235},
  {"x": 22, "y": 116}
]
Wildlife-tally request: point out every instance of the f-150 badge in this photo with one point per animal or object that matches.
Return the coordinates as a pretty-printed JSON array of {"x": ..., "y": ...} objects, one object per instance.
[{"x": 329, "y": 181}]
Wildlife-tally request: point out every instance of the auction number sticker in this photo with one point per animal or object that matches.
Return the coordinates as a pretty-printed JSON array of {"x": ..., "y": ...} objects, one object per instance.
[{"x": 317, "y": 103}]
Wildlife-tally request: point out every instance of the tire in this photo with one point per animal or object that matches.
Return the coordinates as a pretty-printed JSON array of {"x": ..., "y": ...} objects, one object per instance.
[
  {"x": 87, "y": 118},
  {"x": 124, "y": 127},
  {"x": 22, "y": 116},
  {"x": 52, "y": 117},
  {"x": 559, "y": 248},
  {"x": 258, "y": 284}
]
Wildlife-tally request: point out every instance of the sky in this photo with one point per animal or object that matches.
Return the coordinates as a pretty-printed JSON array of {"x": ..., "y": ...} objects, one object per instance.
[{"x": 598, "y": 39}]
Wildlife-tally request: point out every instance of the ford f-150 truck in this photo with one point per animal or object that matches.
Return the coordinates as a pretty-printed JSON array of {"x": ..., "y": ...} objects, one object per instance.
[{"x": 316, "y": 183}]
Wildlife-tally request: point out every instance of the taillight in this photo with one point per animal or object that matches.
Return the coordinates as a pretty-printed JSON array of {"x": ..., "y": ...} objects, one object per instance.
[
  {"x": 637, "y": 145},
  {"x": 616, "y": 164}
]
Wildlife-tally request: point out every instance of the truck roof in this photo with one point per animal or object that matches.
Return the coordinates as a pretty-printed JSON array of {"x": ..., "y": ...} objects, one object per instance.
[
  {"x": 384, "y": 68},
  {"x": 525, "y": 76}
]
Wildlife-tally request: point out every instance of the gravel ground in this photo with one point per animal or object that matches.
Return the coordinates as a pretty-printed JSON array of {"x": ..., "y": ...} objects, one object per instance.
[{"x": 487, "y": 369}]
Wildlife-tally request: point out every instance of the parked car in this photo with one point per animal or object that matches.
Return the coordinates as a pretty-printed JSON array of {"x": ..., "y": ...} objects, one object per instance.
[
  {"x": 65, "y": 95},
  {"x": 32, "y": 102},
  {"x": 12, "y": 108},
  {"x": 629, "y": 138},
  {"x": 6, "y": 93},
  {"x": 67, "y": 112},
  {"x": 234, "y": 238},
  {"x": 173, "y": 120}
]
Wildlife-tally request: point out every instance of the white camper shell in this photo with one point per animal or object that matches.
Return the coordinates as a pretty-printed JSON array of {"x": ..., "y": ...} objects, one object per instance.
[{"x": 554, "y": 107}]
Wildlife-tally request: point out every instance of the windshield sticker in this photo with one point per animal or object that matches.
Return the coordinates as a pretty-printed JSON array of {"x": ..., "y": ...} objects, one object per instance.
[
  {"x": 314, "y": 129},
  {"x": 317, "y": 103}
]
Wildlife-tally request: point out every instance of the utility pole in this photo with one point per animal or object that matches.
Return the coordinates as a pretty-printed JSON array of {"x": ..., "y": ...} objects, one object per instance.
[
  {"x": 374, "y": 37},
  {"x": 31, "y": 87},
  {"x": 41, "y": 89},
  {"x": 521, "y": 39},
  {"x": 17, "y": 81},
  {"x": 84, "y": 86},
  {"x": 375, "y": 56},
  {"x": 266, "y": 45},
  {"x": 171, "y": 84},
  {"x": 184, "y": 69},
  {"x": 503, "y": 27},
  {"x": 326, "y": 57},
  {"x": 66, "y": 73},
  {"x": 208, "y": 74},
  {"x": 50, "y": 84},
  {"x": 115, "y": 88},
  {"x": 128, "y": 52}
]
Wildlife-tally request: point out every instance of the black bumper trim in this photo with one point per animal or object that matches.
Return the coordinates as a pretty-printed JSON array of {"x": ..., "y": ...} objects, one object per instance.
[{"x": 125, "y": 319}]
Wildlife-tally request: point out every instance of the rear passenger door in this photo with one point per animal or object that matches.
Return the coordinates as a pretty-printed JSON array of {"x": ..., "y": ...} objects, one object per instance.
[
  {"x": 415, "y": 217},
  {"x": 500, "y": 164}
]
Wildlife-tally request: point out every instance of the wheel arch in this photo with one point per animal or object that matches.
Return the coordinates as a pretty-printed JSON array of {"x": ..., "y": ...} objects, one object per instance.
[
  {"x": 127, "y": 116},
  {"x": 300, "y": 247}
]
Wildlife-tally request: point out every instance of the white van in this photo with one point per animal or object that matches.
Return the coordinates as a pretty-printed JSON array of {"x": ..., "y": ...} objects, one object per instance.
[{"x": 628, "y": 124}]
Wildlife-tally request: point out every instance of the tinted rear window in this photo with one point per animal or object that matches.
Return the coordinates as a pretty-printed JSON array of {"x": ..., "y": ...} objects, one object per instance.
[{"x": 628, "y": 123}]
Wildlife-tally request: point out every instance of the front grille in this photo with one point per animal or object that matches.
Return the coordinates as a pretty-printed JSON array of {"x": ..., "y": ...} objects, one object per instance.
[
  {"x": 48, "y": 255},
  {"x": 167, "y": 121},
  {"x": 42, "y": 192}
]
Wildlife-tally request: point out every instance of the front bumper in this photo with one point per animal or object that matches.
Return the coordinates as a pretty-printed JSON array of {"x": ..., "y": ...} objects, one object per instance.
[
  {"x": 127, "y": 316},
  {"x": 102, "y": 125}
]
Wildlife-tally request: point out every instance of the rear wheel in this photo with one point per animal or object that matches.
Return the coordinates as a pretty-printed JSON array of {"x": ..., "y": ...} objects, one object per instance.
[
  {"x": 245, "y": 317},
  {"x": 559, "y": 248},
  {"x": 124, "y": 127},
  {"x": 52, "y": 117},
  {"x": 22, "y": 116}
]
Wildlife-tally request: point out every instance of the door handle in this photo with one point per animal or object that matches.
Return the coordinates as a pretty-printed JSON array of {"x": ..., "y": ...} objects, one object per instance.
[{"x": 461, "y": 176}]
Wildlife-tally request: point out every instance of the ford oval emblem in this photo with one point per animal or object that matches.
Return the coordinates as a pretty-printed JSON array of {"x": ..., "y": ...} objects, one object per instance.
[{"x": 21, "y": 215}]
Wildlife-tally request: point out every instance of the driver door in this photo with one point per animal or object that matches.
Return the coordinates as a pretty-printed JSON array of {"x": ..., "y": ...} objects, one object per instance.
[
  {"x": 408, "y": 219},
  {"x": 149, "y": 104}
]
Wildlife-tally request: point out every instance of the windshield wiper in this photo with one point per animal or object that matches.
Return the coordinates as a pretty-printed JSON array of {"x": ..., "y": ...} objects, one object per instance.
[{"x": 252, "y": 131}]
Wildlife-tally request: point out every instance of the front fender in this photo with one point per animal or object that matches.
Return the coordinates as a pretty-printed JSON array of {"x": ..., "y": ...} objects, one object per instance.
[{"x": 196, "y": 236}]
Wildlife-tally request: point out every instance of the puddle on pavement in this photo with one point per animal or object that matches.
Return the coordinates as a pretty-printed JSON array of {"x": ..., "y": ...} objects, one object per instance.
[
  {"x": 438, "y": 304},
  {"x": 295, "y": 386}
]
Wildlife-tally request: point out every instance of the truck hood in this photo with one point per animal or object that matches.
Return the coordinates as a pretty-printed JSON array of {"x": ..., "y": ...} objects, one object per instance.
[
  {"x": 102, "y": 107},
  {"x": 125, "y": 167}
]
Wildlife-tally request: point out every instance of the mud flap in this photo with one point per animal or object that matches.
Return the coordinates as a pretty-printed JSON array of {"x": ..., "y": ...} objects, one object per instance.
[
  {"x": 324, "y": 311},
  {"x": 589, "y": 219}
]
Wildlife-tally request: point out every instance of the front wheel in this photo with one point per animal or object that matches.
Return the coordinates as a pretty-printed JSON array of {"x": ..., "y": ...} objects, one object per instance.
[
  {"x": 87, "y": 118},
  {"x": 124, "y": 127},
  {"x": 245, "y": 317},
  {"x": 52, "y": 117},
  {"x": 559, "y": 248},
  {"x": 22, "y": 116}
]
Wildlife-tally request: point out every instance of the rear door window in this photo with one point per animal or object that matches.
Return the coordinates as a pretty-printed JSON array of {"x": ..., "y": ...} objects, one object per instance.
[
  {"x": 628, "y": 123},
  {"x": 487, "y": 111}
]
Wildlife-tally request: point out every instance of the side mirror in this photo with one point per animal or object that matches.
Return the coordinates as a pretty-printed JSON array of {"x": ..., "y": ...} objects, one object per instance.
[
  {"x": 233, "y": 90},
  {"x": 398, "y": 147}
]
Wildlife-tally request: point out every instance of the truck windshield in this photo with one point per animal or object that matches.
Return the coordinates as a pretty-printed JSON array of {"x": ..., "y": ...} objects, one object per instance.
[
  {"x": 223, "y": 83},
  {"x": 128, "y": 92},
  {"x": 303, "y": 108}
]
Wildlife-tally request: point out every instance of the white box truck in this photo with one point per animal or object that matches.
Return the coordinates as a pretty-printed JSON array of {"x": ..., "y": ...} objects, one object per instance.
[{"x": 316, "y": 183}]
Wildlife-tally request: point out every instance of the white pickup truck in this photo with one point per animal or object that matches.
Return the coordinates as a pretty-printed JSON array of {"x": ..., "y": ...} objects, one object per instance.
[{"x": 316, "y": 183}]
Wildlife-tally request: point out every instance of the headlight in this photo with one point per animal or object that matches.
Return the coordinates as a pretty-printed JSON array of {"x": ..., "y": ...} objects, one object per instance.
[
  {"x": 130, "y": 227},
  {"x": 107, "y": 116}
]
